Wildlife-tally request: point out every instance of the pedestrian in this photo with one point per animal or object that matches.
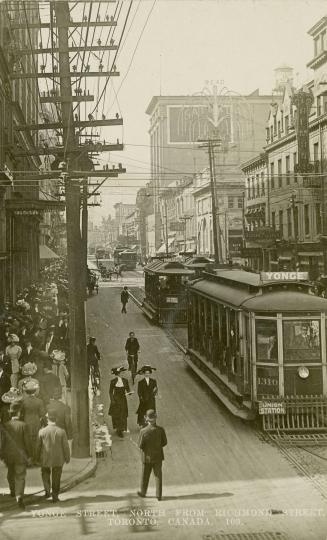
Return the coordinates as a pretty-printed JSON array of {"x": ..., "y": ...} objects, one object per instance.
[
  {"x": 14, "y": 352},
  {"x": 33, "y": 412},
  {"x": 15, "y": 451},
  {"x": 124, "y": 299},
  {"x": 147, "y": 390},
  {"x": 62, "y": 411},
  {"x": 151, "y": 442},
  {"x": 28, "y": 370},
  {"x": 52, "y": 452},
  {"x": 118, "y": 409},
  {"x": 132, "y": 348},
  {"x": 4, "y": 379},
  {"x": 48, "y": 382}
]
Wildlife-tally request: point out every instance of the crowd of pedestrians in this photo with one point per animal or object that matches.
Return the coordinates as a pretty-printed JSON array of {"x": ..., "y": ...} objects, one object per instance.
[{"x": 35, "y": 419}]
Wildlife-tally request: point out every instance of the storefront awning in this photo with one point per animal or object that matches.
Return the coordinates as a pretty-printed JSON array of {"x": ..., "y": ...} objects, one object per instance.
[
  {"x": 47, "y": 253},
  {"x": 31, "y": 206},
  {"x": 163, "y": 248}
]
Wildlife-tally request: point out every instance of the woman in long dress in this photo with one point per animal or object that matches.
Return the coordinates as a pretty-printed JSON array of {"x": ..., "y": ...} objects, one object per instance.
[
  {"x": 147, "y": 390},
  {"x": 118, "y": 409}
]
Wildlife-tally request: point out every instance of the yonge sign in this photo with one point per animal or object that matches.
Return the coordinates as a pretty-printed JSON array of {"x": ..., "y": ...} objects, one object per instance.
[{"x": 284, "y": 276}]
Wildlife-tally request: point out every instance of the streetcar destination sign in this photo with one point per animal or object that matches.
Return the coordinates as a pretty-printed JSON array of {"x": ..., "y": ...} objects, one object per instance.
[
  {"x": 284, "y": 276},
  {"x": 271, "y": 407}
]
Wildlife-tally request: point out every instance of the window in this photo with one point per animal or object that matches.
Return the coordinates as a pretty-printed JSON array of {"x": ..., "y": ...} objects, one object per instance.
[
  {"x": 248, "y": 188},
  {"x": 316, "y": 152},
  {"x": 272, "y": 175},
  {"x": 316, "y": 46},
  {"x": 318, "y": 218},
  {"x": 296, "y": 222},
  {"x": 289, "y": 222},
  {"x": 230, "y": 202},
  {"x": 267, "y": 134},
  {"x": 275, "y": 125},
  {"x": 295, "y": 165},
  {"x": 287, "y": 165},
  {"x": 239, "y": 202},
  {"x": 318, "y": 105},
  {"x": 271, "y": 133},
  {"x": 306, "y": 220},
  {"x": 262, "y": 185},
  {"x": 273, "y": 220},
  {"x": 257, "y": 181},
  {"x": 301, "y": 342},
  {"x": 278, "y": 128},
  {"x": 287, "y": 124},
  {"x": 253, "y": 188},
  {"x": 281, "y": 224},
  {"x": 267, "y": 346},
  {"x": 279, "y": 169}
]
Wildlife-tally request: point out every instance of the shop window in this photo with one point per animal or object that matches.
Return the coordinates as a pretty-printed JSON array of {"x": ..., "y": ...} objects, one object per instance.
[
  {"x": 301, "y": 342},
  {"x": 267, "y": 345}
]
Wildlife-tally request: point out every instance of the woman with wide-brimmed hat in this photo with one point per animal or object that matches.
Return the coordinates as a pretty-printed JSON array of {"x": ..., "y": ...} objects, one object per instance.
[
  {"x": 14, "y": 352},
  {"x": 12, "y": 396},
  {"x": 118, "y": 409},
  {"x": 28, "y": 370}
]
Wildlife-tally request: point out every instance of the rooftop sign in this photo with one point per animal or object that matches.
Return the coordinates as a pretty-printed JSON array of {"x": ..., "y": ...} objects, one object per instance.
[{"x": 284, "y": 276}]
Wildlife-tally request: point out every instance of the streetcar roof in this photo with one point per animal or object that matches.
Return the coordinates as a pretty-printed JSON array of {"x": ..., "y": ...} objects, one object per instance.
[
  {"x": 167, "y": 268},
  {"x": 242, "y": 289}
]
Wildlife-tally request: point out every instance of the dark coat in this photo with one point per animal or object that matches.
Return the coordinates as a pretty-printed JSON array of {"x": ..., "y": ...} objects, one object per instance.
[
  {"x": 52, "y": 448},
  {"x": 48, "y": 383},
  {"x": 15, "y": 446},
  {"x": 132, "y": 346},
  {"x": 63, "y": 416},
  {"x": 124, "y": 297},
  {"x": 118, "y": 409},
  {"x": 152, "y": 440},
  {"x": 146, "y": 393},
  {"x": 4, "y": 384}
]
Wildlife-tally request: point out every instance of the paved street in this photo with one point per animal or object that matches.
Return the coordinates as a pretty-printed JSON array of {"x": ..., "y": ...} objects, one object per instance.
[{"x": 219, "y": 478}]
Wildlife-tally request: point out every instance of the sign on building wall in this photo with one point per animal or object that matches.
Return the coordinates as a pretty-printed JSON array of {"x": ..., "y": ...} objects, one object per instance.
[{"x": 303, "y": 102}]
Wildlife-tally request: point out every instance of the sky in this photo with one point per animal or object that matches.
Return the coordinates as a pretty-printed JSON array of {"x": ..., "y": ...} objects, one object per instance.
[{"x": 173, "y": 47}]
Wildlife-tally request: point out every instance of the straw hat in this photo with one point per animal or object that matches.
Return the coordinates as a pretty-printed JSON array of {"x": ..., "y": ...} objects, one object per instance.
[
  {"x": 12, "y": 395},
  {"x": 29, "y": 368}
]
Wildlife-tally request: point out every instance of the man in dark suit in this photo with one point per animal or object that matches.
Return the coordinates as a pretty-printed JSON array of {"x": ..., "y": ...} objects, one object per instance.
[
  {"x": 147, "y": 390},
  {"x": 15, "y": 451},
  {"x": 52, "y": 451},
  {"x": 152, "y": 440},
  {"x": 4, "y": 379},
  {"x": 62, "y": 412},
  {"x": 49, "y": 381}
]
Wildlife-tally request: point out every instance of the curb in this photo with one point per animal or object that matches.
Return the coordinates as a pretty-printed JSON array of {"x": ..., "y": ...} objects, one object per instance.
[{"x": 86, "y": 473}]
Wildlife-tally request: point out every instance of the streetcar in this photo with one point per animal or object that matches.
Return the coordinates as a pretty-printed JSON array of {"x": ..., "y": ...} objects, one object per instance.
[
  {"x": 165, "y": 292},
  {"x": 259, "y": 342},
  {"x": 127, "y": 259}
]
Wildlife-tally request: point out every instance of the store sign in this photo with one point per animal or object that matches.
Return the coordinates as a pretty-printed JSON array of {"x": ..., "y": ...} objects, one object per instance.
[
  {"x": 284, "y": 276},
  {"x": 171, "y": 300},
  {"x": 27, "y": 212},
  {"x": 271, "y": 407},
  {"x": 176, "y": 226},
  {"x": 261, "y": 233}
]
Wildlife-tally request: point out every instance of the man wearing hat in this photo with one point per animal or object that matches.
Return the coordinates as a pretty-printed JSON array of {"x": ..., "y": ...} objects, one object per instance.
[
  {"x": 33, "y": 411},
  {"x": 151, "y": 442},
  {"x": 49, "y": 381},
  {"x": 52, "y": 451},
  {"x": 147, "y": 390},
  {"x": 15, "y": 449},
  {"x": 62, "y": 412},
  {"x": 14, "y": 352},
  {"x": 118, "y": 409}
]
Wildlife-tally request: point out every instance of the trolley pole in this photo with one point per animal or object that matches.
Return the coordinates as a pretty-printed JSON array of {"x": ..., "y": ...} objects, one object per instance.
[{"x": 79, "y": 374}]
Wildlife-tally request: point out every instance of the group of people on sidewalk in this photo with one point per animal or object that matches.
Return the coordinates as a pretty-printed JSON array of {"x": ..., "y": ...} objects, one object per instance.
[{"x": 35, "y": 420}]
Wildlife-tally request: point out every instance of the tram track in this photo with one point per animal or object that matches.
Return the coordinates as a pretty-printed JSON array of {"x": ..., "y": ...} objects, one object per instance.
[{"x": 298, "y": 457}]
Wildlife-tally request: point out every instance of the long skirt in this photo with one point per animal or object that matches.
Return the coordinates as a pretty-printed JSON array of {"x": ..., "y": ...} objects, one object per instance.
[{"x": 118, "y": 411}]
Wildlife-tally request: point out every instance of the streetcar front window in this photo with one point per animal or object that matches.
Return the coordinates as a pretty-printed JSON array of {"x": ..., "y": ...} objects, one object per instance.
[
  {"x": 301, "y": 341},
  {"x": 267, "y": 344}
]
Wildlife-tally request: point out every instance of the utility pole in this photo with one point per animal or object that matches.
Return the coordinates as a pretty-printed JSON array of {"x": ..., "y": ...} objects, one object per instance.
[
  {"x": 294, "y": 202},
  {"x": 166, "y": 229},
  {"x": 211, "y": 144},
  {"x": 79, "y": 372},
  {"x": 84, "y": 230}
]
